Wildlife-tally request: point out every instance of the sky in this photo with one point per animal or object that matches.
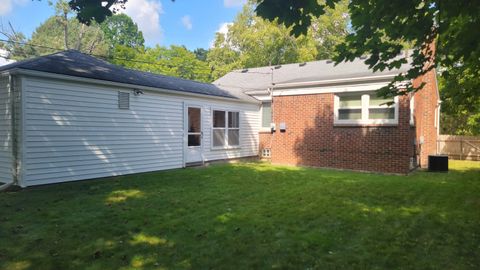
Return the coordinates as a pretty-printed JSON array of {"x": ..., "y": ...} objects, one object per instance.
[{"x": 192, "y": 23}]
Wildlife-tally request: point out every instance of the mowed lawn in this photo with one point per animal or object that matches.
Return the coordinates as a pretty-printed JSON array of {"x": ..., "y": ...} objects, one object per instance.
[{"x": 247, "y": 216}]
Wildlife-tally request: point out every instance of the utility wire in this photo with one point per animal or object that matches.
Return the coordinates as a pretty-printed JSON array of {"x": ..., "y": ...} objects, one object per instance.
[
  {"x": 95, "y": 55},
  {"x": 105, "y": 57}
]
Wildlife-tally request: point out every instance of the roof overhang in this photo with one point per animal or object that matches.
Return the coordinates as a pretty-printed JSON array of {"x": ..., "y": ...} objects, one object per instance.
[
  {"x": 356, "y": 84},
  {"x": 334, "y": 81}
]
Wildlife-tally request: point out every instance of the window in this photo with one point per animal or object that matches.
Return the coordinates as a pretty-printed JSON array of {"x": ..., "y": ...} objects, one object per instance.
[
  {"x": 350, "y": 107},
  {"x": 194, "y": 126},
  {"x": 380, "y": 108},
  {"x": 266, "y": 152},
  {"x": 233, "y": 128},
  {"x": 123, "y": 100},
  {"x": 266, "y": 114},
  {"x": 225, "y": 128},
  {"x": 365, "y": 108}
]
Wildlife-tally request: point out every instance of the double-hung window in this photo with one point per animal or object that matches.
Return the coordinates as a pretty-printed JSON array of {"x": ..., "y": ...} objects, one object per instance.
[
  {"x": 365, "y": 108},
  {"x": 225, "y": 129}
]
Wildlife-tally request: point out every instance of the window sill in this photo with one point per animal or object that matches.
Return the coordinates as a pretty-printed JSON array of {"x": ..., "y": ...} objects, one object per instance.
[
  {"x": 366, "y": 124},
  {"x": 265, "y": 130}
]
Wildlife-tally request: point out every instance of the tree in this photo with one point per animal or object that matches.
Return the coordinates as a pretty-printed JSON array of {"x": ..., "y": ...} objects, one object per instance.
[
  {"x": 201, "y": 54},
  {"x": 89, "y": 11},
  {"x": 51, "y": 36},
  {"x": 15, "y": 43},
  {"x": 381, "y": 28},
  {"x": 61, "y": 31},
  {"x": 174, "y": 61},
  {"x": 330, "y": 30},
  {"x": 121, "y": 30},
  {"x": 252, "y": 41},
  {"x": 461, "y": 102}
]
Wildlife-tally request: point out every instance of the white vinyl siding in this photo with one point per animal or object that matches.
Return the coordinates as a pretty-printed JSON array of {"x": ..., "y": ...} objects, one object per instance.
[
  {"x": 6, "y": 158},
  {"x": 76, "y": 131}
]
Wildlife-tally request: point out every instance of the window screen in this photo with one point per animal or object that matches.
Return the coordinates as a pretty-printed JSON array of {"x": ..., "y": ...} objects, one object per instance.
[
  {"x": 218, "y": 119},
  {"x": 350, "y": 107},
  {"x": 380, "y": 108}
]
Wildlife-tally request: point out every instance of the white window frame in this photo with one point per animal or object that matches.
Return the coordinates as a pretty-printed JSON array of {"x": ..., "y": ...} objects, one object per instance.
[
  {"x": 365, "y": 111},
  {"x": 226, "y": 129}
]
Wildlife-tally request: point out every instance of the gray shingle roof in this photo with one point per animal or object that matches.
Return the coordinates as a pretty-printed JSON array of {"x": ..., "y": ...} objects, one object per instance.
[
  {"x": 262, "y": 77},
  {"x": 74, "y": 63}
]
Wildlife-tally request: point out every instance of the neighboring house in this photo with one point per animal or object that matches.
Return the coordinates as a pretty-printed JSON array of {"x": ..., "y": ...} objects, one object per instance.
[
  {"x": 4, "y": 60},
  {"x": 69, "y": 116},
  {"x": 330, "y": 116}
]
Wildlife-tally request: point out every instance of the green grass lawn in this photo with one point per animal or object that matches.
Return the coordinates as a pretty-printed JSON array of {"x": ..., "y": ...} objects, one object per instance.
[{"x": 247, "y": 215}]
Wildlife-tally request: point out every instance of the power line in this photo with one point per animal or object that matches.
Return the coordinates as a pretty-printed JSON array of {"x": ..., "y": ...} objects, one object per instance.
[
  {"x": 95, "y": 55},
  {"x": 121, "y": 59}
]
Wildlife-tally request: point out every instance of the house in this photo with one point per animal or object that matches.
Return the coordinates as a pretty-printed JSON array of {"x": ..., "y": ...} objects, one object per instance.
[
  {"x": 70, "y": 116},
  {"x": 330, "y": 116}
]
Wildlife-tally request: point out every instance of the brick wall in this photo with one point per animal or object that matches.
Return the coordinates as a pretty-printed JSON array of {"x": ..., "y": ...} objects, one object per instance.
[
  {"x": 311, "y": 139},
  {"x": 425, "y": 117}
]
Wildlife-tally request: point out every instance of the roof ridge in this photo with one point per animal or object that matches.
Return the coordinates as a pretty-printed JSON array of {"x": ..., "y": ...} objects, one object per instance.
[{"x": 136, "y": 70}]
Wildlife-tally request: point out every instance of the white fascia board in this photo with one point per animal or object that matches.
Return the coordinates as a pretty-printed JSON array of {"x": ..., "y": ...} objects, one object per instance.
[
  {"x": 335, "y": 81},
  {"x": 117, "y": 84},
  {"x": 330, "y": 89},
  {"x": 263, "y": 98}
]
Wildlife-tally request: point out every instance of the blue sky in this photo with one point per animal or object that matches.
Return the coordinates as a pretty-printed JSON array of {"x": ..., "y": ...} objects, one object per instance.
[{"x": 192, "y": 23}]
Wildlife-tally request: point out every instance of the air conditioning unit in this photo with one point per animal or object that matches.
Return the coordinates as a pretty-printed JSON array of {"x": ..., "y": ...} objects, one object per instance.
[{"x": 438, "y": 163}]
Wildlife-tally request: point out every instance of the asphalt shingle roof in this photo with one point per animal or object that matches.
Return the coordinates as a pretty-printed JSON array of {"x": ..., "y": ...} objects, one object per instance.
[
  {"x": 74, "y": 63},
  {"x": 262, "y": 77}
]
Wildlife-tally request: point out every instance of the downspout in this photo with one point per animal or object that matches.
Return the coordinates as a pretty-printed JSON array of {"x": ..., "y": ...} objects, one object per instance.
[{"x": 438, "y": 108}]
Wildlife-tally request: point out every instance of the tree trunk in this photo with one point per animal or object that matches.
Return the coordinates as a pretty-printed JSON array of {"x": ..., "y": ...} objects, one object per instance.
[
  {"x": 65, "y": 31},
  {"x": 80, "y": 37}
]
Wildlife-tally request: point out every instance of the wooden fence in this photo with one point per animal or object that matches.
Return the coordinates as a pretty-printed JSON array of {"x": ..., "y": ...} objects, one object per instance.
[{"x": 459, "y": 147}]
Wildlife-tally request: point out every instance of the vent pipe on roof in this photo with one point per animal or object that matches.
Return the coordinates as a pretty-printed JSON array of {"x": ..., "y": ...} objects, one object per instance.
[{"x": 302, "y": 64}]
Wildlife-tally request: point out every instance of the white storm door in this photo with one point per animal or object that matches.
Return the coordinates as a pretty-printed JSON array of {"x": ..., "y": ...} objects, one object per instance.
[{"x": 194, "y": 135}]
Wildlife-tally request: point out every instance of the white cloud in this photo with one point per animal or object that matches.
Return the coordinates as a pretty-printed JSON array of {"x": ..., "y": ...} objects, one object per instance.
[
  {"x": 6, "y": 6},
  {"x": 187, "y": 22},
  {"x": 234, "y": 3},
  {"x": 222, "y": 29},
  {"x": 147, "y": 15}
]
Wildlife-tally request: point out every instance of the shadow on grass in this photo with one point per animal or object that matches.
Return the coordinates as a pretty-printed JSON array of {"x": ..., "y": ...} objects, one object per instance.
[{"x": 246, "y": 216}]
